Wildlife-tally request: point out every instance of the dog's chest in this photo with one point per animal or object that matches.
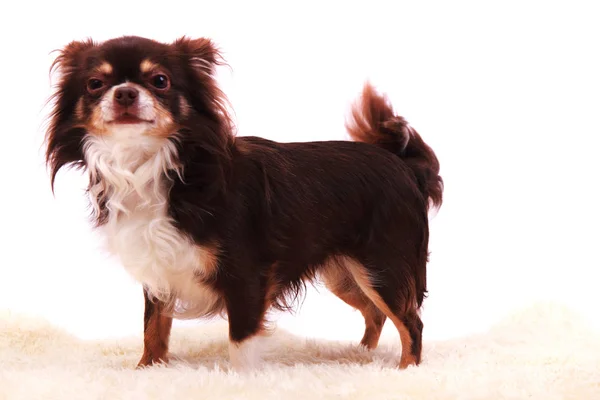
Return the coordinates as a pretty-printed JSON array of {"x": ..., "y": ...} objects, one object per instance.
[
  {"x": 140, "y": 232},
  {"x": 155, "y": 253}
]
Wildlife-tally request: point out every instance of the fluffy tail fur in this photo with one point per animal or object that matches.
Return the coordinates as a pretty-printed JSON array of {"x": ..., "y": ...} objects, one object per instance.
[{"x": 373, "y": 121}]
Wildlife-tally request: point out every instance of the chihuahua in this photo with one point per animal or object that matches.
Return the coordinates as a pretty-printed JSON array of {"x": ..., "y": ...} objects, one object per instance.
[{"x": 211, "y": 223}]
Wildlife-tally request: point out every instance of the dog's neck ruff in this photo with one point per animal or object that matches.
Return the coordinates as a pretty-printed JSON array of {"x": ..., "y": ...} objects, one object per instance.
[{"x": 129, "y": 178}]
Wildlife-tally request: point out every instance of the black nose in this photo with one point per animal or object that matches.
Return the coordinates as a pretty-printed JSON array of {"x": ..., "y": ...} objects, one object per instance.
[{"x": 126, "y": 96}]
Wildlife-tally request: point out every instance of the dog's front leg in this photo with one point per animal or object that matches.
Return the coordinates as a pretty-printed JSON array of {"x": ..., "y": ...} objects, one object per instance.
[
  {"x": 157, "y": 329},
  {"x": 246, "y": 306}
]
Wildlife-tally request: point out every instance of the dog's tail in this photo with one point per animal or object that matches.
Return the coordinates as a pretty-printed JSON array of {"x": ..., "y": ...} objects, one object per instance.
[{"x": 373, "y": 121}]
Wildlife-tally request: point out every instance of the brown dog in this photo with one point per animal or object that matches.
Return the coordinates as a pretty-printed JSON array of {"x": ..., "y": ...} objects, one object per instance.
[{"x": 211, "y": 223}]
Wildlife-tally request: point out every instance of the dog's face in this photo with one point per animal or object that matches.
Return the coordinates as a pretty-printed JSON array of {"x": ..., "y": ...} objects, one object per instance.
[
  {"x": 124, "y": 92},
  {"x": 131, "y": 87}
]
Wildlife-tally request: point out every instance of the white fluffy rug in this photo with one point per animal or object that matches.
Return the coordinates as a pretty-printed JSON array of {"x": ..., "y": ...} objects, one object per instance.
[{"x": 545, "y": 352}]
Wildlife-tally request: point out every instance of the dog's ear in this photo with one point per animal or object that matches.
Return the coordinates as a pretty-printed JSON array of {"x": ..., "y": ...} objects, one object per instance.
[
  {"x": 70, "y": 57},
  {"x": 201, "y": 54},
  {"x": 63, "y": 139}
]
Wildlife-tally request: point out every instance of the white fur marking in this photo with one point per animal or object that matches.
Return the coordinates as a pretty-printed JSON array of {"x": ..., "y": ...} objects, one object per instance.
[
  {"x": 246, "y": 356},
  {"x": 130, "y": 170}
]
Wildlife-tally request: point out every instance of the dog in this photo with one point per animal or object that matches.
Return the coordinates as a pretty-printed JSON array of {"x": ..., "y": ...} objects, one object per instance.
[{"x": 213, "y": 223}]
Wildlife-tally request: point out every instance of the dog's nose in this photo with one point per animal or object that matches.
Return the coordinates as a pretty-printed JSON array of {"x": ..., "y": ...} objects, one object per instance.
[{"x": 126, "y": 96}]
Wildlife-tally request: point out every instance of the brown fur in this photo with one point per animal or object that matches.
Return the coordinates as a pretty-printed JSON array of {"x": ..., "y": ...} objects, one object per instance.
[
  {"x": 374, "y": 121},
  {"x": 157, "y": 329},
  {"x": 280, "y": 214},
  {"x": 342, "y": 284}
]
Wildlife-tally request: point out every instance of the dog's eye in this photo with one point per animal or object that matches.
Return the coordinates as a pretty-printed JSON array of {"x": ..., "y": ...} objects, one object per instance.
[
  {"x": 160, "y": 81},
  {"x": 94, "y": 85}
]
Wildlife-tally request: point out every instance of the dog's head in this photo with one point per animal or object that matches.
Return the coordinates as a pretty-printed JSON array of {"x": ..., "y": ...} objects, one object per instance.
[{"x": 132, "y": 87}]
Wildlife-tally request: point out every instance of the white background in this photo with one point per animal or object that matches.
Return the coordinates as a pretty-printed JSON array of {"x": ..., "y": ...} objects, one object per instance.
[{"x": 508, "y": 95}]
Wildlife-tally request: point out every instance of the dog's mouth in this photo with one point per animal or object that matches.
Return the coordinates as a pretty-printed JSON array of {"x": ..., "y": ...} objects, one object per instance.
[{"x": 128, "y": 118}]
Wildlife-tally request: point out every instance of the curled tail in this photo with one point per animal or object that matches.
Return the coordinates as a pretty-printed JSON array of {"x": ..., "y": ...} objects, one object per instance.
[{"x": 373, "y": 121}]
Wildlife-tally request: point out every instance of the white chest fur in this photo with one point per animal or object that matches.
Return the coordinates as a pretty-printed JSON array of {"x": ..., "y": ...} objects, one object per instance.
[{"x": 130, "y": 173}]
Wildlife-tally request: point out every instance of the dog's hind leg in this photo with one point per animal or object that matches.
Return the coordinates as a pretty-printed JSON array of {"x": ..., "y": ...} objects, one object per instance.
[
  {"x": 394, "y": 297},
  {"x": 341, "y": 283}
]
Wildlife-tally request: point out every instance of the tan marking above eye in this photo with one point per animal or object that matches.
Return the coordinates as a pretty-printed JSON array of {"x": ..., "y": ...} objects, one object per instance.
[
  {"x": 105, "y": 68},
  {"x": 147, "y": 66}
]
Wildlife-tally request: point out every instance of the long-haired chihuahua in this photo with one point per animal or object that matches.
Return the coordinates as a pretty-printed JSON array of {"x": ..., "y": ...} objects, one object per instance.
[{"x": 214, "y": 223}]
